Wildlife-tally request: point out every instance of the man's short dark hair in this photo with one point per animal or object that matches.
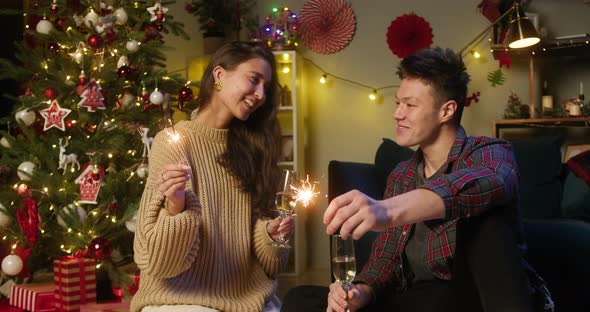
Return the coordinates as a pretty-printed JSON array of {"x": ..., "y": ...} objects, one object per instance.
[{"x": 443, "y": 70}]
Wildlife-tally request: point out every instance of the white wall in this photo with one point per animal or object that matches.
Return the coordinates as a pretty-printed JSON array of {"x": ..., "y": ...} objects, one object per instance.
[{"x": 343, "y": 123}]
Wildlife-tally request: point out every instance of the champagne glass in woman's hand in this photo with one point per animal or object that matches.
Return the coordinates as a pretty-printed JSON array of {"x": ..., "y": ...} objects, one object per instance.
[
  {"x": 285, "y": 203},
  {"x": 343, "y": 261}
]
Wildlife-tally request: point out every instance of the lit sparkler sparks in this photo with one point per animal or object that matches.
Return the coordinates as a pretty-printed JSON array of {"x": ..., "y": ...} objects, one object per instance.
[{"x": 305, "y": 193}]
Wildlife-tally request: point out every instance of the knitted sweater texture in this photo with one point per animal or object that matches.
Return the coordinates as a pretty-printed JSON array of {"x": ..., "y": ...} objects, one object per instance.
[{"x": 212, "y": 254}]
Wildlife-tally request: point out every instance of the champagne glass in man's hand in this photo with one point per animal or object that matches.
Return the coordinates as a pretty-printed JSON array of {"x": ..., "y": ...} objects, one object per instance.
[{"x": 343, "y": 261}]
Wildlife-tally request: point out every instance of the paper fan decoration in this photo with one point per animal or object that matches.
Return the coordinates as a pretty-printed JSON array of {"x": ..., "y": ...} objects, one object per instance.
[
  {"x": 326, "y": 26},
  {"x": 407, "y": 34}
]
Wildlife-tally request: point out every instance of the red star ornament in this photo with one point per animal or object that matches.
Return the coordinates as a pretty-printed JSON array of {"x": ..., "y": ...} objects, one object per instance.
[
  {"x": 54, "y": 116},
  {"x": 92, "y": 98}
]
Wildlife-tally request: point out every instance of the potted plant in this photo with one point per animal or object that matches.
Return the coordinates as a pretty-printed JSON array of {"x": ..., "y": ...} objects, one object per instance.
[{"x": 221, "y": 18}]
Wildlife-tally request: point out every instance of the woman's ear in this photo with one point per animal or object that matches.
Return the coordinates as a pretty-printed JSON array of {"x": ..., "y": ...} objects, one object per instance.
[
  {"x": 447, "y": 110},
  {"x": 218, "y": 72}
]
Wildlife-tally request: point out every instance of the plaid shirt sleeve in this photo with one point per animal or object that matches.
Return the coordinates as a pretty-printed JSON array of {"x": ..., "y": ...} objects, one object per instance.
[{"x": 485, "y": 174}]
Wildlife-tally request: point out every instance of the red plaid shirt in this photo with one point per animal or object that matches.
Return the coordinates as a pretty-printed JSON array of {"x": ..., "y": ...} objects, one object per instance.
[{"x": 480, "y": 173}]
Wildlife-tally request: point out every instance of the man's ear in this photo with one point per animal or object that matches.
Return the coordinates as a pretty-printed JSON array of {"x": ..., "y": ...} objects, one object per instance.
[{"x": 447, "y": 110}]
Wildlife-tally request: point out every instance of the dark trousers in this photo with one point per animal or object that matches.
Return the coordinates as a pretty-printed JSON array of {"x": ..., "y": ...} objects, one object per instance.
[{"x": 487, "y": 276}]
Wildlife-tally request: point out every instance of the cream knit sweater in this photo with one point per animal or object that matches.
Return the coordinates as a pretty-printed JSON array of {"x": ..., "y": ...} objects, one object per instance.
[{"x": 209, "y": 254}]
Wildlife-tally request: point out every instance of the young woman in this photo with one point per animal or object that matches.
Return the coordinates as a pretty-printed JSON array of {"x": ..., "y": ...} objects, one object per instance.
[{"x": 204, "y": 233}]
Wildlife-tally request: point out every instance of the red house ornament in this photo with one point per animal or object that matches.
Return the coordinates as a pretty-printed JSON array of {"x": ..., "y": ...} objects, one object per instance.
[{"x": 90, "y": 182}]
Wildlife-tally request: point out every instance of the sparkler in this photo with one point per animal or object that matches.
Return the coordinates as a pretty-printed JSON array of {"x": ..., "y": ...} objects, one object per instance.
[{"x": 305, "y": 193}]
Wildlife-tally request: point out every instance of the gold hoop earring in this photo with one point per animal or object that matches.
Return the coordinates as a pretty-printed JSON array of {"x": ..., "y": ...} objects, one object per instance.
[{"x": 218, "y": 85}]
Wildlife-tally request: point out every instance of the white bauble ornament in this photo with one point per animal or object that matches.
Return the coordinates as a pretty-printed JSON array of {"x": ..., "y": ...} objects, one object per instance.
[
  {"x": 121, "y": 16},
  {"x": 12, "y": 265},
  {"x": 73, "y": 211},
  {"x": 4, "y": 142},
  {"x": 25, "y": 170},
  {"x": 156, "y": 97},
  {"x": 91, "y": 17},
  {"x": 130, "y": 224},
  {"x": 142, "y": 171},
  {"x": 5, "y": 220},
  {"x": 132, "y": 46},
  {"x": 27, "y": 116},
  {"x": 44, "y": 27},
  {"x": 123, "y": 60}
]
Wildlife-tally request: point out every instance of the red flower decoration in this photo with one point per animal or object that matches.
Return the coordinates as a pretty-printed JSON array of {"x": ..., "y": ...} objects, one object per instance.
[
  {"x": 326, "y": 26},
  {"x": 407, "y": 34}
]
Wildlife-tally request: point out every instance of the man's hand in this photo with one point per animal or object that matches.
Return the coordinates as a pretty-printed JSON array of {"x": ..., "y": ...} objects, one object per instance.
[
  {"x": 356, "y": 213},
  {"x": 358, "y": 297}
]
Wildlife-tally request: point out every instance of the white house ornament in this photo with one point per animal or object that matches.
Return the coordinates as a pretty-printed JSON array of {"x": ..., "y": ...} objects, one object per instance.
[
  {"x": 25, "y": 170},
  {"x": 54, "y": 116},
  {"x": 157, "y": 12},
  {"x": 12, "y": 265},
  {"x": 90, "y": 183},
  {"x": 26, "y": 116}
]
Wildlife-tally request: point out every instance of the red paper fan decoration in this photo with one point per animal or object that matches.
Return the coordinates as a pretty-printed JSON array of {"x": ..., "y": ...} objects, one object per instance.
[
  {"x": 407, "y": 34},
  {"x": 326, "y": 26}
]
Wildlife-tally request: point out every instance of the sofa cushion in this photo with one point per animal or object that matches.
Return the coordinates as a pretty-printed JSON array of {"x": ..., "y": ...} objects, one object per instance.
[
  {"x": 576, "y": 197},
  {"x": 539, "y": 163},
  {"x": 388, "y": 155}
]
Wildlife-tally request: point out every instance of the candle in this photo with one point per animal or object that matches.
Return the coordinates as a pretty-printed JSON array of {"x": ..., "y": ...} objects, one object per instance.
[{"x": 581, "y": 87}]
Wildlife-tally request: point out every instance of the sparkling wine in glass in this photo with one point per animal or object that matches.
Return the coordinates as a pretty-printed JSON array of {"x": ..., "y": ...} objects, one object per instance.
[
  {"x": 343, "y": 261},
  {"x": 285, "y": 203}
]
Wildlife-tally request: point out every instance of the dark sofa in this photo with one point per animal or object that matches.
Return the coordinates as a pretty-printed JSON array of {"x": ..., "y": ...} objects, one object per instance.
[{"x": 558, "y": 237}]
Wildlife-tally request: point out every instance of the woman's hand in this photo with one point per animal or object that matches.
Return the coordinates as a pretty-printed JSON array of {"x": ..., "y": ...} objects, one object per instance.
[
  {"x": 359, "y": 295},
  {"x": 279, "y": 227},
  {"x": 172, "y": 183}
]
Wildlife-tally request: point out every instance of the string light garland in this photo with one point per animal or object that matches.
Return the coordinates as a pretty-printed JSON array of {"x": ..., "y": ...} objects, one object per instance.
[{"x": 373, "y": 95}]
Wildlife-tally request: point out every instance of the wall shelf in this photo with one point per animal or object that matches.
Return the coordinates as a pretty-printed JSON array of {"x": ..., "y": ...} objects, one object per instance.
[{"x": 562, "y": 122}]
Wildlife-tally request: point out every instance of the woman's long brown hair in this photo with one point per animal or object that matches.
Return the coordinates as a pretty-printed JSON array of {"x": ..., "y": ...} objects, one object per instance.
[{"x": 252, "y": 145}]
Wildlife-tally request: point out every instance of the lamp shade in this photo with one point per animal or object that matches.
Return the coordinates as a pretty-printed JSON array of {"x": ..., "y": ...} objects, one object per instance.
[{"x": 521, "y": 33}]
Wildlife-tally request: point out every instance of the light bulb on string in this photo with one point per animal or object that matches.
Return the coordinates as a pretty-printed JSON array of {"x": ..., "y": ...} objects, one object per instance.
[
  {"x": 373, "y": 95},
  {"x": 323, "y": 79}
]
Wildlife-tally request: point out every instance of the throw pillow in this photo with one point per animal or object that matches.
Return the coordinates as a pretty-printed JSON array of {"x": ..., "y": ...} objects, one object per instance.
[
  {"x": 576, "y": 197},
  {"x": 388, "y": 155},
  {"x": 539, "y": 164}
]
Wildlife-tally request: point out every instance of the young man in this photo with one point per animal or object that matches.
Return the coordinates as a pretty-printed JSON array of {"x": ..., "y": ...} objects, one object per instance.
[{"x": 450, "y": 226}]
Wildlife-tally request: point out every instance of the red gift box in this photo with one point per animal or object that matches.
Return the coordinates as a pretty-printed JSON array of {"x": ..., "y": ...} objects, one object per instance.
[
  {"x": 33, "y": 297},
  {"x": 75, "y": 281}
]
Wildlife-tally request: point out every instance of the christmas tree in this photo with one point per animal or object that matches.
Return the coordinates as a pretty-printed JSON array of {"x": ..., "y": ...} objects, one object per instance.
[{"x": 74, "y": 161}]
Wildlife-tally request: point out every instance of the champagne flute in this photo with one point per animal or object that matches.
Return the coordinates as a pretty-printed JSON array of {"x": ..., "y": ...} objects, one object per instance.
[
  {"x": 343, "y": 261},
  {"x": 285, "y": 203}
]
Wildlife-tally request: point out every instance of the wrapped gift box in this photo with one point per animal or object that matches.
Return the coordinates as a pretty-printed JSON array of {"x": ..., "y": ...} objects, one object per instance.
[
  {"x": 33, "y": 297},
  {"x": 75, "y": 281}
]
